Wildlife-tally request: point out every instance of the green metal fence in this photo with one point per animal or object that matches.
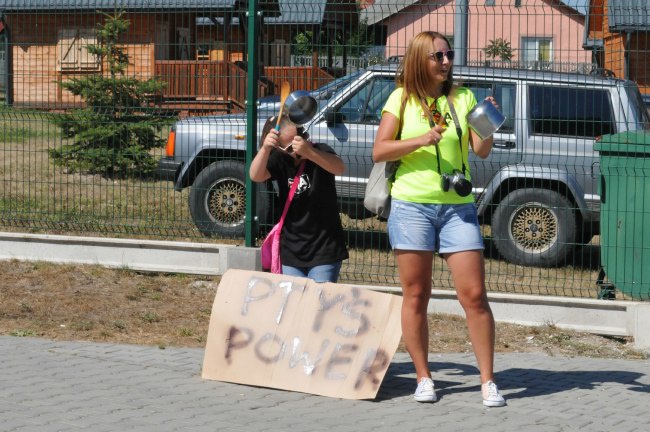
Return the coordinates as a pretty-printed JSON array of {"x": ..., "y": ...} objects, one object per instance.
[{"x": 131, "y": 118}]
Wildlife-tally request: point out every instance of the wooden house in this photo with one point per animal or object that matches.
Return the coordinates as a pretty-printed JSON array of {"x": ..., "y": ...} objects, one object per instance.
[
  {"x": 618, "y": 33},
  {"x": 197, "y": 47}
]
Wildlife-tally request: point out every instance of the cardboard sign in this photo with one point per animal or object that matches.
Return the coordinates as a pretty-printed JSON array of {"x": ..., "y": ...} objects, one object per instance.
[{"x": 292, "y": 333}]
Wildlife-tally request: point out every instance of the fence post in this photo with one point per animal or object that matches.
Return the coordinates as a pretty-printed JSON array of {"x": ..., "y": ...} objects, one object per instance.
[
  {"x": 461, "y": 17},
  {"x": 251, "y": 117}
]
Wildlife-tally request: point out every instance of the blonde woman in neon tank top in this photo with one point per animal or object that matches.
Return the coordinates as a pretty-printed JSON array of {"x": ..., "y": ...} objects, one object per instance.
[{"x": 428, "y": 217}]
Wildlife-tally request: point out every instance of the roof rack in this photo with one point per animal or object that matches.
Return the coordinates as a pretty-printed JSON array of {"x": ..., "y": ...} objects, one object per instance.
[{"x": 603, "y": 72}]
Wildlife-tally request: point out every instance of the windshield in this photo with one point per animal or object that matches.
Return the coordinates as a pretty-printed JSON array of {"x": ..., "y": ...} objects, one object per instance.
[
  {"x": 321, "y": 94},
  {"x": 328, "y": 90},
  {"x": 325, "y": 93},
  {"x": 640, "y": 110}
]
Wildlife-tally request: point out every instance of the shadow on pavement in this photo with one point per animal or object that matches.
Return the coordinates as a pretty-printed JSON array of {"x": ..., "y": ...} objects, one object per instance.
[
  {"x": 400, "y": 381},
  {"x": 543, "y": 382}
]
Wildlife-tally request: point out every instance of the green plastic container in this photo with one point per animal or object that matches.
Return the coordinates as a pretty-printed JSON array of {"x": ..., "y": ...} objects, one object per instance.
[{"x": 625, "y": 211}]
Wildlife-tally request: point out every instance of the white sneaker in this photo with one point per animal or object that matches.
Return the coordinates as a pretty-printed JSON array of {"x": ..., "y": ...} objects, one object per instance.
[
  {"x": 425, "y": 391},
  {"x": 491, "y": 395}
]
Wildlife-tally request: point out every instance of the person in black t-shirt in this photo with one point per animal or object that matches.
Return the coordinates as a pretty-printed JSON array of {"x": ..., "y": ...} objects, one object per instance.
[{"x": 312, "y": 241}]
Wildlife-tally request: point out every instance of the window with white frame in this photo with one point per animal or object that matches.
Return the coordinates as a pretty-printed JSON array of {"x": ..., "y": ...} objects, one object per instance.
[
  {"x": 71, "y": 51},
  {"x": 536, "y": 53}
]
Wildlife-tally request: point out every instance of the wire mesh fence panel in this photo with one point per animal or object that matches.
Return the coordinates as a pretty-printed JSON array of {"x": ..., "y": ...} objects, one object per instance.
[{"x": 133, "y": 119}]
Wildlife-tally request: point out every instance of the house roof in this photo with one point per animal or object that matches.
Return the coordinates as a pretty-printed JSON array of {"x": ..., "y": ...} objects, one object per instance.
[
  {"x": 129, "y": 5},
  {"x": 379, "y": 10},
  {"x": 307, "y": 12},
  {"x": 580, "y": 6},
  {"x": 23, "y": 5},
  {"x": 382, "y": 9},
  {"x": 315, "y": 12},
  {"x": 626, "y": 15},
  {"x": 302, "y": 12}
]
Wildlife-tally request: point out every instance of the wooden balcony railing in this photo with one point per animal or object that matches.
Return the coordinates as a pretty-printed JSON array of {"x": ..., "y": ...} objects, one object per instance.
[
  {"x": 204, "y": 81},
  {"x": 196, "y": 83}
]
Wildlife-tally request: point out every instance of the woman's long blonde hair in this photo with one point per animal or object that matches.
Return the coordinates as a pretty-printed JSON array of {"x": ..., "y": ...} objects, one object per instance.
[{"x": 412, "y": 74}]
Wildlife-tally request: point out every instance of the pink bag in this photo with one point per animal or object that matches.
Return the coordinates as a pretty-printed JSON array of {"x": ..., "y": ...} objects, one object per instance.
[{"x": 270, "y": 249}]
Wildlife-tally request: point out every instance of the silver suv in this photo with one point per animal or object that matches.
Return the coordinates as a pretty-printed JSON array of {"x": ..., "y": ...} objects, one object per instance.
[{"x": 538, "y": 190}]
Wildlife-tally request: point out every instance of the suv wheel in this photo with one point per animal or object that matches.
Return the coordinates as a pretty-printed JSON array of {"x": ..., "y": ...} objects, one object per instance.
[
  {"x": 218, "y": 199},
  {"x": 534, "y": 227}
]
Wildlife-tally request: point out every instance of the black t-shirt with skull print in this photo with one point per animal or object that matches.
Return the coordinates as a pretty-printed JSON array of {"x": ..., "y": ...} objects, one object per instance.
[{"x": 312, "y": 233}]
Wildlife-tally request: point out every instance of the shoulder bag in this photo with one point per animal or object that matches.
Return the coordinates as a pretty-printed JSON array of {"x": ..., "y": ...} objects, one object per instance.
[
  {"x": 380, "y": 182},
  {"x": 270, "y": 250}
]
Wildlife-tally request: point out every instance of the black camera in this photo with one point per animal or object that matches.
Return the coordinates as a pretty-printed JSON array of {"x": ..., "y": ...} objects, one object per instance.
[{"x": 461, "y": 185}]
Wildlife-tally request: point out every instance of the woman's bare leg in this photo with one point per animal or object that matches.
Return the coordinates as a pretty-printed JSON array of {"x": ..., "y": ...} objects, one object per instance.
[
  {"x": 468, "y": 272},
  {"x": 415, "y": 269}
]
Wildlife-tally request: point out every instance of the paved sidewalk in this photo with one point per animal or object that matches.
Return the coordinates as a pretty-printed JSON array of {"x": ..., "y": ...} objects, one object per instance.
[{"x": 73, "y": 386}]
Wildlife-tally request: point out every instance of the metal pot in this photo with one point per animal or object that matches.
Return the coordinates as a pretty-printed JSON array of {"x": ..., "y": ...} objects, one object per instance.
[
  {"x": 485, "y": 119},
  {"x": 300, "y": 106}
]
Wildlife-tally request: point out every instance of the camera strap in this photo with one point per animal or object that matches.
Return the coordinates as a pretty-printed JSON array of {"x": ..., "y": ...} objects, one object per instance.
[
  {"x": 459, "y": 131},
  {"x": 432, "y": 124}
]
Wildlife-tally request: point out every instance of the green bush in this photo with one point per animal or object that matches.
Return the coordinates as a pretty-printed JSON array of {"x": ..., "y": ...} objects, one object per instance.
[{"x": 499, "y": 49}]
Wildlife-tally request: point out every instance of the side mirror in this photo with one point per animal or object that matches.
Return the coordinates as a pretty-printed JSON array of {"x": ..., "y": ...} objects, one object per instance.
[{"x": 333, "y": 117}]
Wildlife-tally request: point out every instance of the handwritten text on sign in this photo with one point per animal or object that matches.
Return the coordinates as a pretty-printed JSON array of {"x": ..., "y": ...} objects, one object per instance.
[{"x": 292, "y": 333}]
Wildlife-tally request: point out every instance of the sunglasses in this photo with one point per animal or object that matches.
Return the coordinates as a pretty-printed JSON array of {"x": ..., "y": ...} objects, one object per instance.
[
  {"x": 439, "y": 55},
  {"x": 288, "y": 149}
]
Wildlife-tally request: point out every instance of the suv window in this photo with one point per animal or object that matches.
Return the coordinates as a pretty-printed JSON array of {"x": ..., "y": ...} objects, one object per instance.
[
  {"x": 640, "y": 105},
  {"x": 366, "y": 104},
  {"x": 570, "y": 112},
  {"x": 505, "y": 97}
]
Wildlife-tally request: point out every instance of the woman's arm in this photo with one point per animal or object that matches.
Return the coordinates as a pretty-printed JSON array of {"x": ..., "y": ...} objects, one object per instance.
[
  {"x": 387, "y": 148},
  {"x": 481, "y": 148}
]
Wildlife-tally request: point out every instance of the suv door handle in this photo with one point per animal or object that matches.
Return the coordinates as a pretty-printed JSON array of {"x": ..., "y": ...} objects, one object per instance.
[{"x": 505, "y": 144}]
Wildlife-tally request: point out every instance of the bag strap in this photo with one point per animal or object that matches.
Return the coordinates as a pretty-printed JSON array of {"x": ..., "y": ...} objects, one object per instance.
[
  {"x": 398, "y": 137},
  {"x": 402, "y": 107},
  {"x": 292, "y": 191}
]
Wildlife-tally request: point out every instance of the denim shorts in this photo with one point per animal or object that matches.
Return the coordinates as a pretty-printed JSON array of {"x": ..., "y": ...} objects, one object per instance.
[
  {"x": 445, "y": 228},
  {"x": 319, "y": 273}
]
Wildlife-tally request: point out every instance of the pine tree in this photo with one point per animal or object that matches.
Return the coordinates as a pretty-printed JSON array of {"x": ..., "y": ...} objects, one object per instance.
[{"x": 115, "y": 131}]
